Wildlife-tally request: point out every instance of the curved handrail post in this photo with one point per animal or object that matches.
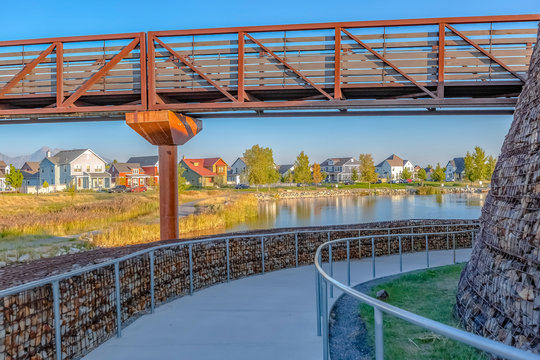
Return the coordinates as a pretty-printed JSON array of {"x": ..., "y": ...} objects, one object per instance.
[
  {"x": 318, "y": 300},
  {"x": 296, "y": 248},
  {"x": 325, "y": 324},
  {"x": 118, "y": 300},
  {"x": 190, "y": 252},
  {"x": 373, "y": 255},
  {"x": 348, "y": 263},
  {"x": 400, "y": 255},
  {"x": 427, "y": 251},
  {"x": 152, "y": 283},
  {"x": 57, "y": 320},
  {"x": 454, "y": 246},
  {"x": 379, "y": 334},
  {"x": 228, "y": 260},
  {"x": 330, "y": 261}
]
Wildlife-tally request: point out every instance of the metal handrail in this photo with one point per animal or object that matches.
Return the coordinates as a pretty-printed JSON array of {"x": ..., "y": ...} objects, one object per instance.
[
  {"x": 54, "y": 280},
  {"x": 322, "y": 279},
  {"x": 82, "y": 270}
]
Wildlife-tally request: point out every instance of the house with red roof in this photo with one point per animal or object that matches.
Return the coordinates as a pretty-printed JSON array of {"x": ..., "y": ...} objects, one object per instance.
[{"x": 205, "y": 172}]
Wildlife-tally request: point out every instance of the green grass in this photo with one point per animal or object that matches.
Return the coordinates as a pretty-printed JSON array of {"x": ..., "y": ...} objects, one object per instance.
[{"x": 431, "y": 294}]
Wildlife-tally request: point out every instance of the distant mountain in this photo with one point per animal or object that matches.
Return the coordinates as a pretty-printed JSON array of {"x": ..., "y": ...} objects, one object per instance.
[{"x": 19, "y": 161}]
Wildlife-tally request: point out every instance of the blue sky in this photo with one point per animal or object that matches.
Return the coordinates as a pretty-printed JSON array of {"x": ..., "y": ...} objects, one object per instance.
[{"x": 427, "y": 139}]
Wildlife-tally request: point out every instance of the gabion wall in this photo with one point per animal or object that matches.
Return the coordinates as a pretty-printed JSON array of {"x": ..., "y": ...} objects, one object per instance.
[
  {"x": 499, "y": 290},
  {"x": 88, "y": 301}
]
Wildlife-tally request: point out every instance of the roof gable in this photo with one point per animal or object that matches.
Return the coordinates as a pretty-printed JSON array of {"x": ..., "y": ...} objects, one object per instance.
[
  {"x": 125, "y": 167},
  {"x": 199, "y": 168},
  {"x": 240, "y": 159},
  {"x": 31, "y": 166},
  {"x": 151, "y": 160},
  {"x": 336, "y": 161}
]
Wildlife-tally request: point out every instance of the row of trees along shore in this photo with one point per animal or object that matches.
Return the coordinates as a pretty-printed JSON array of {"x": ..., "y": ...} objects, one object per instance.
[{"x": 261, "y": 168}]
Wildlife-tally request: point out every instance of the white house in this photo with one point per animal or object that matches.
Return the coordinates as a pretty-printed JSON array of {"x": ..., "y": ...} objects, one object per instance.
[
  {"x": 83, "y": 168},
  {"x": 392, "y": 167},
  {"x": 340, "y": 169},
  {"x": 455, "y": 169},
  {"x": 4, "y": 169},
  {"x": 237, "y": 172}
]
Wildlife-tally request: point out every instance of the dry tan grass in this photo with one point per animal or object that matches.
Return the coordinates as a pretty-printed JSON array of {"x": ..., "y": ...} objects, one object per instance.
[
  {"x": 216, "y": 217},
  {"x": 121, "y": 219}
]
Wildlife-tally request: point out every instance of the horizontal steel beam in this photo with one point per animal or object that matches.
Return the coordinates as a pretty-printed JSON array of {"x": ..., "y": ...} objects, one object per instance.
[
  {"x": 353, "y": 24},
  {"x": 261, "y": 114},
  {"x": 282, "y": 114},
  {"x": 342, "y": 104}
]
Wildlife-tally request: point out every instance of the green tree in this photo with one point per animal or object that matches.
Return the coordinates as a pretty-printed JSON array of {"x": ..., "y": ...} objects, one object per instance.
[
  {"x": 406, "y": 174},
  {"x": 479, "y": 163},
  {"x": 302, "y": 172},
  {"x": 354, "y": 176},
  {"x": 317, "y": 176},
  {"x": 45, "y": 185},
  {"x": 290, "y": 176},
  {"x": 182, "y": 182},
  {"x": 490, "y": 167},
  {"x": 15, "y": 178},
  {"x": 422, "y": 175},
  {"x": 260, "y": 166},
  {"x": 438, "y": 174},
  {"x": 367, "y": 168},
  {"x": 469, "y": 167}
]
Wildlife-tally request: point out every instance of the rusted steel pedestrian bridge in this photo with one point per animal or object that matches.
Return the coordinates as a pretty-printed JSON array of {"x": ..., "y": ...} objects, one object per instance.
[
  {"x": 162, "y": 82},
  {"x": 424, "y": 66}
]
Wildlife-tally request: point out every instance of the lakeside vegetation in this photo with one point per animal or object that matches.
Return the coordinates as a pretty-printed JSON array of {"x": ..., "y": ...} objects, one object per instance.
[
  {"x": 432, "y": 294},
  {"x": 217, "y": 215},
  {"x": 51, "y": 224}
]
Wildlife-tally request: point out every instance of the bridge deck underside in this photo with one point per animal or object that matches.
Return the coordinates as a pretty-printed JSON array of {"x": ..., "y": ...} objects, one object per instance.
[{"x": 444, "y": 63}]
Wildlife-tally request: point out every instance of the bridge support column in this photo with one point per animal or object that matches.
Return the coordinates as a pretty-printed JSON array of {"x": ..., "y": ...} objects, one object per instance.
[
  {"x": 166, "y": 130},
  {"x": 168, "y": 192}
]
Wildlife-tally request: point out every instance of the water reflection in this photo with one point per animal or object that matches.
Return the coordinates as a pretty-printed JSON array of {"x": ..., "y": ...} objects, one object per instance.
[{"x": 355, "y": 209}]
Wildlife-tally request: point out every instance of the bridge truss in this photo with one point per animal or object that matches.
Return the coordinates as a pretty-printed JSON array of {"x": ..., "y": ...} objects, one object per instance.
[{"x": 472, "y": 65}]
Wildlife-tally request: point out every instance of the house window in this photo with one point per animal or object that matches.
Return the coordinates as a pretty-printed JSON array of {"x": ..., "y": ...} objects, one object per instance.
[
  {"x": 87, "y": 168},
  {"x": 196, "y": 164}
]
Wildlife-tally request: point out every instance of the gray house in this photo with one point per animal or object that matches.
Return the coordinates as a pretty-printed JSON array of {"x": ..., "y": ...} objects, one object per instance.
[
  {"x": 81, "y": 168},
  {"x": 339, "y": 169},
  {"x": 30, "y": 172},
  {"x": 455, "y": 169}
]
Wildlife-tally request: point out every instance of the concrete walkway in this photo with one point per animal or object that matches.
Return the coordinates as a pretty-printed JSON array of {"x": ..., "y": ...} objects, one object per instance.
[{"x": 270, "y": 316}]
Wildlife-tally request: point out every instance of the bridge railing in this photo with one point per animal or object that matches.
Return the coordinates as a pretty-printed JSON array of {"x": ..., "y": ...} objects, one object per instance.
[
  {"x": 462, "y": 62},
  {"x": 326, "y": 281},
  {"x": 73, "y": 74},
  {"x": 67, "y": 315},
  {"x": 305, "y": 65}
]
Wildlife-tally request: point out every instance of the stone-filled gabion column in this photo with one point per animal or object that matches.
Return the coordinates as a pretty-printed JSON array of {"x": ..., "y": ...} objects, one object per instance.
[{"x": 499, "y": 290}]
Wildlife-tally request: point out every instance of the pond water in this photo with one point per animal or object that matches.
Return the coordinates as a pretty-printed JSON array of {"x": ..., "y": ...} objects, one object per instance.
[{"x": 359, "y": 209}]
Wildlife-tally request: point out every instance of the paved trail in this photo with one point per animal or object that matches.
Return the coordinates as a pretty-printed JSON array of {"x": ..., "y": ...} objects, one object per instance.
[{"x": 265, "y": 317}]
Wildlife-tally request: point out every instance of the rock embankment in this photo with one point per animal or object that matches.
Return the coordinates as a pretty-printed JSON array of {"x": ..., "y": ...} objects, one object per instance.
[{"x": 301, "y": 194}]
